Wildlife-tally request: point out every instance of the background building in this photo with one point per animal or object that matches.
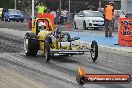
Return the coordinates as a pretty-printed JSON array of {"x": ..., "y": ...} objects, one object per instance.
[
  {"x": 126, "y": 6},
  {"x": 6, "y": 4}
]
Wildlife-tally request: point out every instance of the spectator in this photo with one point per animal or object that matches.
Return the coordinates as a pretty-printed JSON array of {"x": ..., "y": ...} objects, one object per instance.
[
  {"x": 62, "y": 17},
  {"x": 109, "y": 9},
  {"x": 54, "y": 13},
  {"x": 47, "y": 11},
  {"x": 2, "y": 16},
  {"x": 65, "y": 15},
  {"x": 58, "y": 13},
  {"x": 41, "y": 8}
]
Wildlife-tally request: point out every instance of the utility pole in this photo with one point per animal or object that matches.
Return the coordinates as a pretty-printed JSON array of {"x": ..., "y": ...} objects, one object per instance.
[
  {"x": 69, "y": 6},
  {"x": 100, "y": 4},
  {"x": 14, "y": 4},
  {"x": 32, "y": 11},
  {"x": 69, "y": 17},
  {"x": 60, "y": 4}
]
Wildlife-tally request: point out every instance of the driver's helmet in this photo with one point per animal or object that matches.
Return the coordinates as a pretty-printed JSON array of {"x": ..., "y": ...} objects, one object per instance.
[{"x": 42, "y": 26}]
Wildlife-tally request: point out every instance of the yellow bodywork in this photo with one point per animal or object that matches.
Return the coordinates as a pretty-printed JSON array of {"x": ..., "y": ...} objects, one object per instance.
[{"x": 41, "y": 36}]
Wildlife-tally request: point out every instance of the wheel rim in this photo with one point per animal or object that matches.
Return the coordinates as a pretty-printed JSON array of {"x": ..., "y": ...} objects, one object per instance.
[
  {"x": 84, "y": 25},
  {"x": 93, "y": 52},
  {"x": 74, "y": 25},
  {"x": 26, "y": 45},
  {"x": 8, "y": 19},
  {"x": 65, "y": 37},
  {"x": 46, "y": 55}
]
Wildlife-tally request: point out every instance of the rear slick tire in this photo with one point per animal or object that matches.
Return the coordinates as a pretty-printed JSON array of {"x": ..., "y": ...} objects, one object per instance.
[
  {"x": 75, "y": 26},
  {"x": 30, "y": 44},
  {"x": 94, "y": 50},
  {"x": 84, "y": 25},
  {"x": 47, "y": 49}
]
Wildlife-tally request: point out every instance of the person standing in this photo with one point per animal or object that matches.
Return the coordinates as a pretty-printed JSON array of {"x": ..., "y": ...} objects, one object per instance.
[
  {"x": 54, "y": 13},
  {"x": 65, "y": 15},
  {"x": 41, "y": 8},
  {"x": 109, "y": 9},
  {"x": 62, "y": 17},
  {"x": 58, "y": 13},
  {"x": 2, "y": 15}
]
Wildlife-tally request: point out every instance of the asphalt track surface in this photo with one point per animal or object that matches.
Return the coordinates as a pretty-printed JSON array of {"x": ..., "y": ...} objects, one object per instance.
[{"x": 61, "y": 71}]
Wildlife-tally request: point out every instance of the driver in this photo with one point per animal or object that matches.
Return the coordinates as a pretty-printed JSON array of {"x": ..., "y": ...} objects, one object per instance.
[{"x": 42, "y": 26}]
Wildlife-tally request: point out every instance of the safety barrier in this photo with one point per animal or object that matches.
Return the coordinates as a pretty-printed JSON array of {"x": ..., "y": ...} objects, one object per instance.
[{"x": 125, "y": 31}]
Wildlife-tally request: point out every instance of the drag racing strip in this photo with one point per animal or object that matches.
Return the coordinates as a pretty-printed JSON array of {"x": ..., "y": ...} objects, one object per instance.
[
  {"x": 10, "y": 44},
  {"x": 52, "y": 70},
  {"x": 10, "y": 79},
  {"x": 42, "y": 68}
]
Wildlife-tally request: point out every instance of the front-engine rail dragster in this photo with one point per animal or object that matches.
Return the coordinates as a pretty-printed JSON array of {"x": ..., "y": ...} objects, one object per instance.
[{"x": 53, "y": 41}]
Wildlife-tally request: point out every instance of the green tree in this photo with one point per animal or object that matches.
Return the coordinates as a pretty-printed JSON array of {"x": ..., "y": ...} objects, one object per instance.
[{"x": 6, "y": 4}]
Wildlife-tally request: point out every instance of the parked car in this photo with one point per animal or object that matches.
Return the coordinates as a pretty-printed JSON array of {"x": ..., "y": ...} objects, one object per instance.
[
  {"x": 89, "y": 19},
  {"x": 14, "y": 15}
]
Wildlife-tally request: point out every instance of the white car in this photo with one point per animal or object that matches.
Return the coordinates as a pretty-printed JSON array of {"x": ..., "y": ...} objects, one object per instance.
[{"x": 88, "y": 19}]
